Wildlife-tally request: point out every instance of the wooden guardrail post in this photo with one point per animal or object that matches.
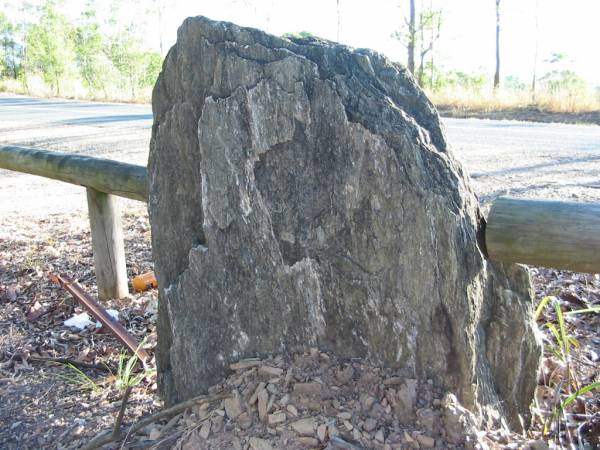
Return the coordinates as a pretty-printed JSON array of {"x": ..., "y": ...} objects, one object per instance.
[
  {"x": 104, "y": 180},
  {"x": 107, "y": 244}
]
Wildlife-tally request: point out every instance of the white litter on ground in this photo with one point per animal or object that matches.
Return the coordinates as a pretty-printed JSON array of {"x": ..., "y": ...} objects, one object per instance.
[{"x": 82, "y": 321}]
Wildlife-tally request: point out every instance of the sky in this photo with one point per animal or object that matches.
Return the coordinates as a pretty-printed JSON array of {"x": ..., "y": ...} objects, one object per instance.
[{"x": 467, "y": 39}]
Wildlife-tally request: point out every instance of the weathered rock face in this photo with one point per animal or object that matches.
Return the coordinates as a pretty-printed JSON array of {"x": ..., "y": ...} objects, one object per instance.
[{"x": 302, "y": 194}]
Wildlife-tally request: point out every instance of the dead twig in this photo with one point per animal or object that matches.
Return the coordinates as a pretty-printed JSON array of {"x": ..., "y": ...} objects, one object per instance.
[
  {"x": 73, "y": 362},
  {"x": 108, "y": 436},
  {"x": 117, "y": 427}
]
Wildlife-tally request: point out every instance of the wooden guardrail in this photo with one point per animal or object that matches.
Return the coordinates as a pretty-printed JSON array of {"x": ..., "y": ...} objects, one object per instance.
[
  {"x": 103, "y": 175},
  {"x": 104, "y": 179},
  {"x": 564, "y": 235}
]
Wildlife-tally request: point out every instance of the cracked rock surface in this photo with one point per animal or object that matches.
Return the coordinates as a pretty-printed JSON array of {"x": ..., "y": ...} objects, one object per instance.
[{"x": 302, "y": 195}]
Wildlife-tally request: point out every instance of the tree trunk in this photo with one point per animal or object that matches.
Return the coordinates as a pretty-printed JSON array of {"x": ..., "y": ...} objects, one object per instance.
[
  {"x": 337, "y": 4},
  {"x": 497, "y": 73},
  {"x": 422, "y": 51},
  {"x": 535, "y": 54},
  {"x": 411, "y": 38}
]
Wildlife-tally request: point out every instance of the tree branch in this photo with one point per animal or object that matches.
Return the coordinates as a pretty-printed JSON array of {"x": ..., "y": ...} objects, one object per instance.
[{"x": 109, "y": 436}]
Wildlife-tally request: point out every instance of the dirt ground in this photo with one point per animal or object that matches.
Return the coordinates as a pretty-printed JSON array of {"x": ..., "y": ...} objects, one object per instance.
[{"x": 49, "y": 404}]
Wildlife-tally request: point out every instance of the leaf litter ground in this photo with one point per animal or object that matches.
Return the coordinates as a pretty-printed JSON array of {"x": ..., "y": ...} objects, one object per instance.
[{"x": 311, "y": 400}]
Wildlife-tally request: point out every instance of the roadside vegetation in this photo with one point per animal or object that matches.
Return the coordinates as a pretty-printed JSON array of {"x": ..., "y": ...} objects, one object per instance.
[
  {"x": 50, "y": 55},
  {"x": 559, "y": 89}
]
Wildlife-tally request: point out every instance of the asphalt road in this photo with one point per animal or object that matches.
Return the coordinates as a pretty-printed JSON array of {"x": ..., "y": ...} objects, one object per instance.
[{"x": 503, "y": 157}]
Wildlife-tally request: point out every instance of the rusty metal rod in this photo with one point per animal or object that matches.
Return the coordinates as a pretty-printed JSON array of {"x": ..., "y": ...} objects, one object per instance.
[{"x": 101, "y": 315}]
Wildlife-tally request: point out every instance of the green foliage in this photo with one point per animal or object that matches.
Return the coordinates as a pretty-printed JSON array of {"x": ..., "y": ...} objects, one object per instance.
[
  {"x": 594, "y": 309},
  {"x": 426, "y": 32},
  {"x": 78, "y": 54},
  {"x": 125, "y": 371},
  {"x": 94, "y": 68},
  {"x": 563, "y": 81},
  {"x": 540, "y": 308},
  {"x": 153, "y": 61},
  {"x": 555, "y": 58},
  {"x": 581, "y": 391},
  {"x": 77, "y": 377},
  {"x": 49, "y": 47},
  {"x": 454, "y": 79},
  {"x": 10, "y": 49},
  {"x": 514, "y": 84},
  {"x": 138, "y": 68},
  {"x": 562, "y": 350},
  {"x": 298, "y": 35}
]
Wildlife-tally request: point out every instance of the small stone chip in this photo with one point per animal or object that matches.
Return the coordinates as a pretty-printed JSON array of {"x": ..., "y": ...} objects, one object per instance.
[
  {"x": 539, "y": 444},
  {"x": 284, "y": 400},
  {"x": 259, "y": 444},
  {"x": 304, "y": 427},
  {"x": 268, "y": 371},
  {"x": 425, "y": 441},
  {"x": 263, "y": 399},
  {"x": 312, "y": 390},
  {"x": 254, "y": 397},
  {"x": 270, "y": 403},
  {"x": 307, "y": 442},
  {"x": 245, "y": 364},
  {"x": 392, "y": 381},
  {"x": 379, "y": 436},
  {"x": 154, "y": 434},
  {"x": 370, "y": 424},
  {"x": 292, "y": 410},
  {"x": 322, "y": 432},
  {"x": 205, "y": 430},
  {"x": 332, "y": 430},
  {"x": 345, "y": 415},
  {"x": 367, "y": 403},
  {"x": 278, "y": 417},
  {"x": 244, "y": 421},
  {"x": 233, "y": 406},
  {"x": 345, "y": 376}
]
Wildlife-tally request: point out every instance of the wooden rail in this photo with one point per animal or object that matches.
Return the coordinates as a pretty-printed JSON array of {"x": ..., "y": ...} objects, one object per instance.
[
  {"x": 104, "y": 175},
  {"x": 563, "y": 235},
  {"x": 104, "y": 180}
]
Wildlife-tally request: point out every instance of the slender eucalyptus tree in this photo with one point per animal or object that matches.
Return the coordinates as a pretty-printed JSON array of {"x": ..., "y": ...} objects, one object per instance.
[{"x": 497, "y": 73}]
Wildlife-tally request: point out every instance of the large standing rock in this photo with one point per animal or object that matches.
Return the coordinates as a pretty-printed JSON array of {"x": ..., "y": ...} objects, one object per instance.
[{"x": 302, "y": 194}]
